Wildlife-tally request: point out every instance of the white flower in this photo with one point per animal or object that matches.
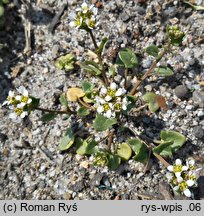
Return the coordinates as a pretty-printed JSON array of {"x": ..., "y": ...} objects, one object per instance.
[{"x": 10, "y": 97}]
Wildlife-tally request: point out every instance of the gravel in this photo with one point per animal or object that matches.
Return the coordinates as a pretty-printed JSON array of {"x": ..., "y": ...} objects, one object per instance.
[{"x": 31, "y": 167}]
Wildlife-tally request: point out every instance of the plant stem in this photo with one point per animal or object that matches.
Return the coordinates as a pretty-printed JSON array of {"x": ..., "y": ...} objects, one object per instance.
[
  {"x": 126, "y": 74},
  {"x": 161, "y": 159},
  {"x": 84, "y": 104},
  {"x": 93, "y": 39},
  {"x": 110, "y": 140},
  {"x": 55, "y": 111},
  {"x": 151, "y": 70},
  {"x": 105, "y": 79}
]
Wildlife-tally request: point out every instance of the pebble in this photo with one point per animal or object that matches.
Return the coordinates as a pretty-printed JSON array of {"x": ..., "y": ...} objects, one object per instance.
[
  {"x": 198, "y": 98},
  {"x": 198, "y": 132},
  {"x": 181, "y": 92}
]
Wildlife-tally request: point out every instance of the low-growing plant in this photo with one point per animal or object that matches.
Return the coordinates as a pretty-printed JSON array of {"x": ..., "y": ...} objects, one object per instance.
[
  {"x": 105, "y": 102},
  {"x": 2, "y": 11}
]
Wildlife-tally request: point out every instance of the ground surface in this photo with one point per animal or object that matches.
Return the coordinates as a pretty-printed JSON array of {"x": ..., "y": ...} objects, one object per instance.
[{"x": 31, "y": 167}]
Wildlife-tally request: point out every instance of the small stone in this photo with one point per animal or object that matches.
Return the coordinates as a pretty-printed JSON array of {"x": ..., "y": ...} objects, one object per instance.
[
  {"x": 67, "y": 196},
  {"x": 181, "y": 92},
  {"x": 84, "y": 164},
  {"x": 3, "y": 137},
  {"x": 198, "y": 132},
  {"x": 125, "y": 17},
  {"x": 198, "y": 98},
  {"x": 106, "y": 181},
  {"x": 55, "y": 50},
  {"x": 200, "y": 113}
]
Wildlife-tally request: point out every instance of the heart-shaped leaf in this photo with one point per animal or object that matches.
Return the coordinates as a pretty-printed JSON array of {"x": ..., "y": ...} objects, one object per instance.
[
  {"x": 152, "y": 50},
  {"x": 127, "y": 58},
  {"x": 140, "y": 149},
  {"x": 124, "y": 151},
  {"x": 74, "y": 93},
  {"x": 67, "y": 141},
  {"x": 151, "y": 99},
  {"x": 171, "y": 141},
  {"x": 102, "y": 123},
  {"x": 86, "y": 147},
  {"x": 82, "y": 111},
  {"x": 164, "y": 71}
]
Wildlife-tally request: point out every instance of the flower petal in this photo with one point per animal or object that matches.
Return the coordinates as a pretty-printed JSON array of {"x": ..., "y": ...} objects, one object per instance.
[
  {"x": 113, "y": 86},
  {"x": 103, "y": 91},
  {"x": 187, "y": 192},
  {"x": 170, "y": 168},
  {"x": 190, "y": 183},
  {"x": 177, "y": 174},
  {"x": 184, "y": 168},
  {"x": 179, "y": 179},
  {"x": 178, "y": 162},
  {"x": 176, "y": 188},
  {"x": 108, "y": 98},
  {"x": 100, "y": 109}
]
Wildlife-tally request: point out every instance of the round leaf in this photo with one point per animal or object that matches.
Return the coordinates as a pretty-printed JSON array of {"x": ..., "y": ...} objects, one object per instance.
[
  {"x": 67, "y": 141},
  {"x": 74, "y": 93},
  {"x": 164, "y": 71},
  {"x": 125, "y": 151}
]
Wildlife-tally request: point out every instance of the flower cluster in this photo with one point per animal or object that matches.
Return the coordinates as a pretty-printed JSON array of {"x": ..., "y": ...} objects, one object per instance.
[
  {"x": 18, "y": 102},
  {"x": 182, "y": 177},
  {"x": 175, "y": 34},
  {"x": 84, "y": 17},
  {"x": 111, "y": 100}
]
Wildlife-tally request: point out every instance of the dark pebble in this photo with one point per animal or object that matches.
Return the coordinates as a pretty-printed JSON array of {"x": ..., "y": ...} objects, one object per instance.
[
  {"x": 181, "y": 92},
  {"x": 3, "y": 137}
]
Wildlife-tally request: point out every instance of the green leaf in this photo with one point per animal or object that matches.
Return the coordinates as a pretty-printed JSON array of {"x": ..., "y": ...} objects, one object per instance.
[
  {"x": 171, "y": 142},
  {"x": 113, "y": 161},
  {"x": 124, "y": 151},
  {"x": 102, "y": 46},
  {"x": 151, "y": 99},
  {"x": 67, "y": 141},
  {"x": 87, "y": 87},
  {"x": 34, "y": 104},
  {"x": 102, "y": 123},
  {"x": 87, "y": 99},
  {"x": 86, "y": 147},
  {"x": 128, "y": 58},
  {"x": 48, "y": 117},
  {"x": 63, "y": 100},
  {"x": 152, "y": 50},
  {"x": 82, "y": 111},
  {"x": 91, "y": 67},
  {"x": 195, "y": 7},
  {"x": 140, "y": 149},
  {"x": 164, "y": 149},
  {"x": 164, "y": 71}
]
